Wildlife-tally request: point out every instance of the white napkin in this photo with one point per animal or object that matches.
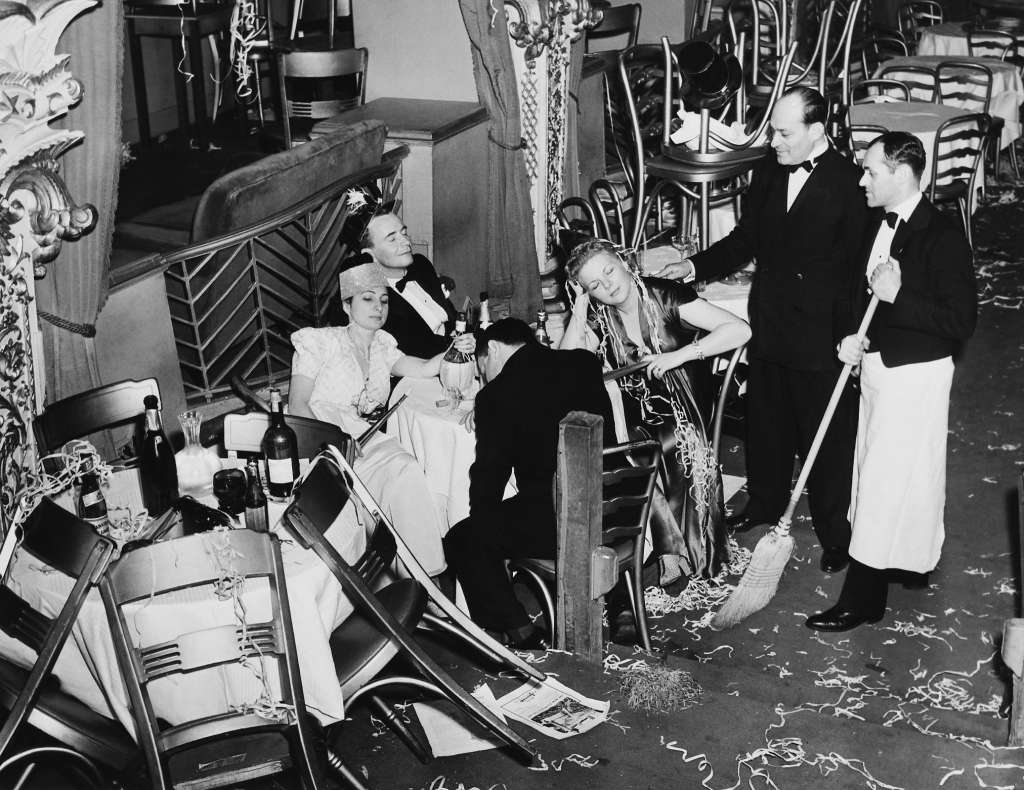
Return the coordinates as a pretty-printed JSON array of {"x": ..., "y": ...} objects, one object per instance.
[{"x": 689, "y": 133}]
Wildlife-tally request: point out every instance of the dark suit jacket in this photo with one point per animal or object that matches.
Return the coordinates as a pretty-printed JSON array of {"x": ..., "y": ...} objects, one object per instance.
[
  {"x": 414, "y": 337},
  {"x": 517, "y": 416},
  {"x": 800, "y": 303},
  {"x": 937, "y": 304}
]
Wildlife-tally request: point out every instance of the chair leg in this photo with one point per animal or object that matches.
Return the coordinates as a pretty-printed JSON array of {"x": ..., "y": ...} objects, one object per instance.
[
  {"x": 397, "y": 726},
  {"x": 963, "y": 204},
  {"x": 1013, "y": 160},
  {"x": 634, "y": 588},
  {"x": 548, "y": 601},
  {"x": 344, "y": 771}
]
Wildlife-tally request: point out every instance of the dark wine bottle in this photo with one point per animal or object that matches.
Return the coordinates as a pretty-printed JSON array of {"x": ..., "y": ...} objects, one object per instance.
[
  {"x": 281, "y": 449},
  {"x": 92, "y": 506},
  {"x": 158, "y": 470},
  {"x": 256, "y": 517}
]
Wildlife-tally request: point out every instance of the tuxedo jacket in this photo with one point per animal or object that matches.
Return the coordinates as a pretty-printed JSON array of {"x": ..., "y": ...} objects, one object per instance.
[
  {"x": 936, "y": 307},
  {"x": 517, "y": 416},
  {"x": 800, "y": 302},
  {"x": 414, "y": 337}
]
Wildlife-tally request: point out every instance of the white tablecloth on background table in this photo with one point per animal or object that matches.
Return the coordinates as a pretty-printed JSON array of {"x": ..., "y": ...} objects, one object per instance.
[
  {"x": 920, "y": 119},
  {"x": 1007, "y": 88},
  {"x": 443, "y": 446},
  {"x": 87, "y": 667},
  {"x": 949, "y": 38}
]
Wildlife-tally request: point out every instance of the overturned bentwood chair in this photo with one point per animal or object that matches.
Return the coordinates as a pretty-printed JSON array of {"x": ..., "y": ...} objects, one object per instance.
[{"x": 379, "y": 629}]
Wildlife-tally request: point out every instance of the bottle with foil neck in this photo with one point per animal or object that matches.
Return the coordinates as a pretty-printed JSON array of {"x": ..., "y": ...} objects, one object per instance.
[
  {"x": 453, "y": 354},
  {"x": 256, "y": 517},
  {"x": 542, "y": 329},
  {"x": 485, "y": 311},
  {"x": 158, "y": 469}
]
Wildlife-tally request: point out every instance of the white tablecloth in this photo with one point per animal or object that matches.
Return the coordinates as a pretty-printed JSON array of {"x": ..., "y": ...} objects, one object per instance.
[
  {"x": 920, "y": 119},
  {"x": 435, "y": 437},
  {"x": 87, "y": 666},
  {"x": 1007, "y": 88},
  {"x": 949, "y": 38}
]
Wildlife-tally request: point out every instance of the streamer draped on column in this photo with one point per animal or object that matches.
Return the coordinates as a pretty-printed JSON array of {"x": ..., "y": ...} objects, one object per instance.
[
  {"x": 512, "y": 268},
  {"x": 75, "y": 286}
]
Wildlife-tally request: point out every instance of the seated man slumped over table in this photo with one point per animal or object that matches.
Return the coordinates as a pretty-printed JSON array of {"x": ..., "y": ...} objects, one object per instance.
[{"x": 528, "y": 390}]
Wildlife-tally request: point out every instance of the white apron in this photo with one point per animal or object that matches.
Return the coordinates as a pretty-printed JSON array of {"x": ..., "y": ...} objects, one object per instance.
[{"x": 899, "y": 470}]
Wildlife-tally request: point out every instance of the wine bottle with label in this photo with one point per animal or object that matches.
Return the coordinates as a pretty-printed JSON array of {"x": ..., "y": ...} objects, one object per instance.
[
  {"x": 157, "y": 467},
  {"x": 281, "y": 449},
  {"x": 542, "y": 329},
  {"x": 256, "y": 517},
  {"x": 92, "y": 506}
]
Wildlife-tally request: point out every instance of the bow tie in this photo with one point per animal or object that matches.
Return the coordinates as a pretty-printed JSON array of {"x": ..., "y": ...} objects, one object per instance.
[
  {"x": 807, "y": 164},
  {"x": 892, "y": 219},
  {"x": 400, "y": 285}
]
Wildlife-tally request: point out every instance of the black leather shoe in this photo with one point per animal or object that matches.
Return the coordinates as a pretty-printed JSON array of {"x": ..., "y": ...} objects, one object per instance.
[
  {"x": 915, "y": 581},
  {"x": 839, "y": 619},
  {"x": 744, "y": 522},
  {"x": 526, "y": 639},
  {"x": 834, "y": 560}
]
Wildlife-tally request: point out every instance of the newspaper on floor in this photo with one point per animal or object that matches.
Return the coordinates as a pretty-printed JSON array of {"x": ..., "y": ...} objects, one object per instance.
[
  {"x": 450, "y": 731},
  {"x": 554, "y": 709}
]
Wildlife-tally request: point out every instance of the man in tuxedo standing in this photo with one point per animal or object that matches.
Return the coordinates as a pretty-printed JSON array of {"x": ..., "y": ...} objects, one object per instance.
[
  {"x": 420, "y": 316},
  {"x": 528, "y": 390},
  {"x": 919, "y": 265},
  {"x": 803, "y": 220}
]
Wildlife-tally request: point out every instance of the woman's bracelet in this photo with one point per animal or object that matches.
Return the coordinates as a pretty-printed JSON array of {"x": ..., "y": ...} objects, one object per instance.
[{"x": 697, "y": 350}]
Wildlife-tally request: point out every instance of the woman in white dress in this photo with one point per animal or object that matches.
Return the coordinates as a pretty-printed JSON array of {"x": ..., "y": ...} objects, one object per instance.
[{"x": 342, "y": 375}]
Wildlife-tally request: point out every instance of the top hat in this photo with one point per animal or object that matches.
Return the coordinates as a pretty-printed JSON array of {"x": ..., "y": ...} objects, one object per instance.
[{"x": 709, "y": 79}]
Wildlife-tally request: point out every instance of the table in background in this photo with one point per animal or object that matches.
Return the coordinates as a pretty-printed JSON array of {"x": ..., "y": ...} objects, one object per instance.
[
  {"x": 87, "y": 666},
  {"x": 948, "y": 39},
  {"x": 920, "y": 119},
  {"x": 1007, "y": 89}
]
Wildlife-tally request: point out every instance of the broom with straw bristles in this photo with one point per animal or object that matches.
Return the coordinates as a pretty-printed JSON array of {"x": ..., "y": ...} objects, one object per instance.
[{"x": 761, "y": 579}]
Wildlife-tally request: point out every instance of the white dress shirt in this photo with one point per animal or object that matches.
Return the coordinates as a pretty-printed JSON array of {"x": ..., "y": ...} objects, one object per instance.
[
  {"x": 880, "y": 250},
  {"x": 430, "y": 311},
  {"x": 798, "y": 178}
]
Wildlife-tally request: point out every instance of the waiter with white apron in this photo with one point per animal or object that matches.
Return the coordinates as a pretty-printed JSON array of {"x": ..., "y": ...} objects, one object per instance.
[{"x": 919, "y": 265}]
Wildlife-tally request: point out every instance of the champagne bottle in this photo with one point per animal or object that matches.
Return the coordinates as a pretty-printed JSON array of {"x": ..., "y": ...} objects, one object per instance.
[
  {"x": 281, "y": 449},
  {"x": 453, "y": 354},
  {"x": 92, "y": 506},
  {"x": 542, "y": 329},
  {"x": 256, "y": 517},
  {"x": 158, "y": 469},
  {"x": 485, "y": 311}
]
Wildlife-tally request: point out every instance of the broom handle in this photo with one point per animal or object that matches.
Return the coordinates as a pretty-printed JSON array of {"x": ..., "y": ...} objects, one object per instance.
[{"x": 830, "y": 410}]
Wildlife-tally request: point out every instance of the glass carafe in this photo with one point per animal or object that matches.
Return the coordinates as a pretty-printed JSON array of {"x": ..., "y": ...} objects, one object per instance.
[{"x": 196, "y": 464}]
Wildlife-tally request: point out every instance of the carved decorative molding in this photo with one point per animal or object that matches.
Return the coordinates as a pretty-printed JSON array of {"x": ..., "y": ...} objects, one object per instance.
[{"x": 36, "y": 212}]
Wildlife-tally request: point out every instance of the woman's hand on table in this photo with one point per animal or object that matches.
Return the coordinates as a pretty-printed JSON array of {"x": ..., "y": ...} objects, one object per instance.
[{"x": 660, "y": 364}]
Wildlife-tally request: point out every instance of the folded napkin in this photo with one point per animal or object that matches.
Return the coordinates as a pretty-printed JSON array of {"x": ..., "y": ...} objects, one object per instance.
[{"x": 689, "y": 133}]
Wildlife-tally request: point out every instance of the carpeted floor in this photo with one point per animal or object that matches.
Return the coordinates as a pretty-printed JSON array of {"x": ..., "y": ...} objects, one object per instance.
[{"x": 912, "y": 702}]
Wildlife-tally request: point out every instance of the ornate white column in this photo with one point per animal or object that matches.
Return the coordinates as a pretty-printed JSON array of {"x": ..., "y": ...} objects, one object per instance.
[{"x": 36, "y": 213}]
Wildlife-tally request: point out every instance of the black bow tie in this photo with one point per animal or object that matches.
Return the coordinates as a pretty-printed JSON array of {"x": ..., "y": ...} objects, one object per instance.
[
  {"x": 892, "y": 219},
  {"x": 807, "y": 164},
  {"x": 400, "y": 285}
]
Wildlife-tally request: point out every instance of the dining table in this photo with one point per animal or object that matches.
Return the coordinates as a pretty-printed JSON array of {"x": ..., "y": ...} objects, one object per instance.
[
  {"x": 921, "y": 119},
  {"x": 946, "y": 38},
  {"x": 87, "y": 667},
  {"x": 1007, "y": 88}
]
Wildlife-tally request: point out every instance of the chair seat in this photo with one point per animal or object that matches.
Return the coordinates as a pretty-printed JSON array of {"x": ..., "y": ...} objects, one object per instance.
[
  {"x": 360, "y": 649},
  {"x": 69, "y": 721},
  {"x": 664, "y": 167},
  {"x": 546, "y": 568}
]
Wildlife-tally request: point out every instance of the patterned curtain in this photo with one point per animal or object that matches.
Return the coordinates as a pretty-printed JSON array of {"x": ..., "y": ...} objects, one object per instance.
[
  {"x": 75, "y": 286},
  {"x": 513, "y": 277}
]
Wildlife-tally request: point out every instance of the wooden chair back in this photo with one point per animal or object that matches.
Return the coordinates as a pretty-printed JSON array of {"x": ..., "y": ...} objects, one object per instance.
[
  {"x": 71, "y": 546},
  {"x": 620, "y": 20},
  {"x": 92, "y": 411},
  {"x": 959, "y": 143},
  {"x": 217, "y": 561},
  {"x": 319, "y": 64},
  {"x": 919, "y": 79},
  {"x": 876, "y": 91},
  {"x": 917, "y": 14},
  {"x": 964, "y": 84},
  {"x": 985, "y": 43},
  {"x": 861, "y": 137}
]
